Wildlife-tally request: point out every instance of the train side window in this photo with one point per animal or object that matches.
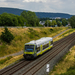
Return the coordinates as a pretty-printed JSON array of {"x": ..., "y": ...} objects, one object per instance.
[
  {"x": 38, "y": 49},
  {"x": 45, "y": 46},
  {"x": 51, "y": 42}
]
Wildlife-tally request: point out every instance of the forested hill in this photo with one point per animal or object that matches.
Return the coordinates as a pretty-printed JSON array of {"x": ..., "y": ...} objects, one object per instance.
[
  {"x": 52, "y": 15},
  {"x": 39, "y": 14},
  {"x": 11, "y": 10}
]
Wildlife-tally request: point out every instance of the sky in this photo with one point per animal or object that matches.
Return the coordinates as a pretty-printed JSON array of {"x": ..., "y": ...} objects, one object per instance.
[{"x": 55, "y": 6}]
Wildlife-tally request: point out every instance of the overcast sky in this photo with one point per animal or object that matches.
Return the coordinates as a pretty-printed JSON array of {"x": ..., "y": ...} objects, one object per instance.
[{"x": 56, "y": 6}]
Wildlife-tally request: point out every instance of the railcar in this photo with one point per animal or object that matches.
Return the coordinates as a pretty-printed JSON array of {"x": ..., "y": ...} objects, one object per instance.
[{"x": 35, "y": 48}]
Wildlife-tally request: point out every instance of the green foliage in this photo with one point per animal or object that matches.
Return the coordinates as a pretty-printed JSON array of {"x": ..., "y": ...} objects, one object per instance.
[
  {"x": 64, "y": 22},
  {"x": 51, "y": 30},
  {"x": 2, "y": 49},
  {"x": 36, "y": 34},
  {"x": 2, "y": 61},
  {"x": 31, "y": 36},
  {"x": 7, "y": 36},
  {"x": 18, "y": 38},
  {"x": 71, "y": 30},
  {"x": 31, "y": 18},
  {"x": 71, "y": 71},
  {"x": 48, "y": 23},
  {"x": 11, "y": 20},
  {"x": 30, "y": 30},
  {"x": 72, "y": 21},
  {"x": 59, "y": 23},
  {"x": 33, "y": 33},
  {"x": 54, "y": 23},
  {"x": 43, "y": 32},
  {"x": 71, "y": 68}
]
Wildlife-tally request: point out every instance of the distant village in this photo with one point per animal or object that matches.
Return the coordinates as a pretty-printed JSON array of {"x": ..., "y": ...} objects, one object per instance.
[{"x": 53, "y": 18}]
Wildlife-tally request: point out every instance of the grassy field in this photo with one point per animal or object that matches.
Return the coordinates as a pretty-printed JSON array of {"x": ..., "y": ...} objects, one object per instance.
[
  {"x": 66, "y": 66},
  {"x": 24, "y": 35},
  {"x": 41, "y": 32},
  {"x": 64, "y": 34}
]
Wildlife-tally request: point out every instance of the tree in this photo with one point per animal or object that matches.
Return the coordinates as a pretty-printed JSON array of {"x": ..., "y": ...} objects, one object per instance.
[
  {"x": 31, "y": 17},
  {"x": 0, "y": 20},
  {"x": 6, "y": 36},
  {"x": 64, "y": 22},
  {"x": 59, "y": 23},
  {"x": 15, "y": 21},
  {"x": 6, "y": 19},
  {"x": 53, "y": 23},
  {"x": 72, "y": 21},
  {"x": 48, "y": 23},
  {"x": 11, "y": 20}
]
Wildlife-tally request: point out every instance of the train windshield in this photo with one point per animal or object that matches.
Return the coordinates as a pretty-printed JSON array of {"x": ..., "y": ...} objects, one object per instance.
[{"x": 29, "y": 48}]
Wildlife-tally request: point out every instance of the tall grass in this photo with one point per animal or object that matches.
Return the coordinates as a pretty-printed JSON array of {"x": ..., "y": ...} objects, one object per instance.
[
  {"x": 66, "y": 66},
  {"x": 2, "y": 61},
  {"x": 24, "y": 35}
]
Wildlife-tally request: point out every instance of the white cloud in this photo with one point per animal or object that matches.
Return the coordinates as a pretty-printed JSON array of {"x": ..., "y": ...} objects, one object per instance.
[
  {"x": 34, "y": 0},
  {"x": 61, "y": 6}
]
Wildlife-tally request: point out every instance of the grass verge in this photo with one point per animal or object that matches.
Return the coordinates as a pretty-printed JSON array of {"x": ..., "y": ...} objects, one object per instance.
[
  {"x": 24, "y": 35},
  {"x": 66, "y": 66},
  {"x": 10, "y": 61}
]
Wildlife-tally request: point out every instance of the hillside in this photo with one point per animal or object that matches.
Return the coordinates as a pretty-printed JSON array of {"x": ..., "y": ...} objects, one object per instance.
[
  {"x": 17, "y": 11},
  {"x": 24, "y": 35},
  {"x": 52, "y": 15}
]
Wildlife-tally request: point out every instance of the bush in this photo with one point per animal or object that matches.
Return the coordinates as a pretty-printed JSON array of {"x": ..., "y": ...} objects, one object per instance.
[
  {"x": 51, "y": 30},
  {"x": 7, "y": 36},
  {"x": 31, "y": 36}
]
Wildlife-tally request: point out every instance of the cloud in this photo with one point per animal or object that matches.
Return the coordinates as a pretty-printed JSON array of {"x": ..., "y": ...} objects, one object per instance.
[
  {"x": 13, "y": 0},
  {"x": 61, "y": 6},
  {"x": 34, "y": 0}
]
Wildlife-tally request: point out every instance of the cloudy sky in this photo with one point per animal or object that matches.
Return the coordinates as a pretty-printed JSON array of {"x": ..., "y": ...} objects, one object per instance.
[{"x": 56, "y": 6}]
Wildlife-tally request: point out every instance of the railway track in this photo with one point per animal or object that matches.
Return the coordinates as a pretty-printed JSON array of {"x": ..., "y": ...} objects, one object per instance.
[{"x": 31, "y": 67}]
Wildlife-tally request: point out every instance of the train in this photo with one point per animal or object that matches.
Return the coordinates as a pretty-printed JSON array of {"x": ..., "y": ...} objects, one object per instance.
[{"x": 35, "y": 48}]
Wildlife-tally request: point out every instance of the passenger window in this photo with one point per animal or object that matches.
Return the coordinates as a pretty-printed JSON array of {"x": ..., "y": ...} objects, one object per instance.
[
  {"x": 38, "y": 49},
  {"x": 45, "y": 46}
]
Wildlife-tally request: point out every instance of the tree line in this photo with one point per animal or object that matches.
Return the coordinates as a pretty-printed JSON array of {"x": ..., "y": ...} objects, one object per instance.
[
  {"x": 72, "y": 21},
  {"x": 11, "y": 20},
  {"x": 28, "y": 18},
  {"x": 25, "y": 19},
  {"x": 57, "y": 22}
]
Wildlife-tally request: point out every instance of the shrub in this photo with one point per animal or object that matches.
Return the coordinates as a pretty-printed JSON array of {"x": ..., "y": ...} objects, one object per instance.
[
  {"x": 7, "y": 36},
  {"x": 51, "y": 29},
  {"x": 31, "y": 36},
  {"x": 30, "y": 29},
  {"x": 44, "y": 32}
]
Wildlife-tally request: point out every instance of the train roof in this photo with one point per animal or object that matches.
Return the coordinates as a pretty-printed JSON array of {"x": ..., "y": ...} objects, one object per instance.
[{"x": 40, "y": 41}]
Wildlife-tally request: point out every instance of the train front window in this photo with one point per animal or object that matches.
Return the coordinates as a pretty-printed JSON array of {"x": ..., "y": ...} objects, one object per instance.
[{"x": 29, "y": 48}]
